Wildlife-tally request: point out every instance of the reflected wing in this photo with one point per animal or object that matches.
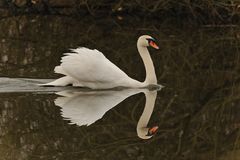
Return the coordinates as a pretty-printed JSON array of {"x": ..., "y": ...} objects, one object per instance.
[
  {"x": 86, "y": 65},
  {"x": 84, "y": 108}
]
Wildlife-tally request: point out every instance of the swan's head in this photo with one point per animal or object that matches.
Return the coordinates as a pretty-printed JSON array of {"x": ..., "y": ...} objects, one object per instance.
[
  {"x": 146, "y": 133},
  {"x": 146, "y": 41}
]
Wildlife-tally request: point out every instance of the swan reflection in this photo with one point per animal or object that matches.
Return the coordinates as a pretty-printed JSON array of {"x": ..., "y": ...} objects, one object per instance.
[{"x": 86, "y": 107}]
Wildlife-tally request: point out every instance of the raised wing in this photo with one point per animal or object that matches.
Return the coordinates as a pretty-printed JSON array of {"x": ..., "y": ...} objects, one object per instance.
[
  {"x": 86, "y": 65},
  {"x": 84, "y": 108}
]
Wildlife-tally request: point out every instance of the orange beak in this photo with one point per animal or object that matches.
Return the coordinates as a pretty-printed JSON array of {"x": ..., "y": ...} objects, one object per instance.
[
  {"x": 153, "y": 130},
  {"x": 154, "y": 45}
]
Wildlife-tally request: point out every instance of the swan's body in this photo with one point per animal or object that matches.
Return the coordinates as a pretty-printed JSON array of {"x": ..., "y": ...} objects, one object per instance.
[
  {"x": 90, "y": 68},
  {"x": 85, "y": 108}
]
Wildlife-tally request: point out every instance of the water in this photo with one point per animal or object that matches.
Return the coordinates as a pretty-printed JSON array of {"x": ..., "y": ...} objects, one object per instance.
[{"x": 197, "y": 111}]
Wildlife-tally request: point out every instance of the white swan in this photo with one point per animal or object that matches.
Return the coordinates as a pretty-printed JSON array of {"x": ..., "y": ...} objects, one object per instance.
[
  {"x": 85, "y": 108},
  {"x": 90, "y": 68}
]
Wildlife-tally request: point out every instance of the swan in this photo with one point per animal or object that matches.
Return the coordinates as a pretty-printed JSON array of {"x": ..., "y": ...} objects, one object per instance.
[
  {"x": 90, "y": 68},
  {"x": 86, "y": 107}
]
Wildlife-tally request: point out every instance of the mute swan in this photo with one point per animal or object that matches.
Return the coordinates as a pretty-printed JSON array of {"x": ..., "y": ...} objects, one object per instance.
[
  {"x": 85, "y": 108},
  {"x": 90, "y": 68}
]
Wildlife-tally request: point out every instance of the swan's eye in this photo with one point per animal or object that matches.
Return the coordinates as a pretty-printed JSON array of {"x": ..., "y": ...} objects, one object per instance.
[{"x": 152, "y": 43}]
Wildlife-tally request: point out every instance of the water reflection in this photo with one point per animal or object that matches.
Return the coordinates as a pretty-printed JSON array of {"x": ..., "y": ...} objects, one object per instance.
[
  {"x": 199, "y": 65},
  {"x": 142, "y": 130},
  {"x": 86, "y": 107}
]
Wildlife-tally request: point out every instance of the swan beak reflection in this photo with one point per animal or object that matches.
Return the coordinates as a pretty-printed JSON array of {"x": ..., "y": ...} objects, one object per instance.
[
  {"x": 153, "y": 44},
  {"x": 152, "y": 131}
]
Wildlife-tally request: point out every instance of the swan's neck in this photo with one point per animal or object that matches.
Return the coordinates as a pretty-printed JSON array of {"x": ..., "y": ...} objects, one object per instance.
[
  {"x": 146, "y": 115},
  {"x": 148, "y": 63},
  {"x": 148, "y": 109}
]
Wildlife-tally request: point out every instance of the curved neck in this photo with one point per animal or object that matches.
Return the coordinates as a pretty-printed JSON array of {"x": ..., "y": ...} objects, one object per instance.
[
  {"x": 146, "y": 115},
  {"x": 148, "y": 63}
]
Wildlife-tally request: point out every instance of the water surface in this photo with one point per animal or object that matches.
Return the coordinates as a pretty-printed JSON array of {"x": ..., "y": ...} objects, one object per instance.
[{"x": 197, "y": 112}]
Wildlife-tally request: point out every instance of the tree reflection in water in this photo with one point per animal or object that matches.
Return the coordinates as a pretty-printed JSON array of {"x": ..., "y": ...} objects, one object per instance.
[{"x": 197, "y": 112}]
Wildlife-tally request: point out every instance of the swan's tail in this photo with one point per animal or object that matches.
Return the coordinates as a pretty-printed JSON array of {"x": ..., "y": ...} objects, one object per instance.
[{"x": 64, "y": 81}]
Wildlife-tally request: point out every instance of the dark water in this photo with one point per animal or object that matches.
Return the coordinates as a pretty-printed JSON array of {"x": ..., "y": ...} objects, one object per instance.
[{"x": 197, "y": 112}]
